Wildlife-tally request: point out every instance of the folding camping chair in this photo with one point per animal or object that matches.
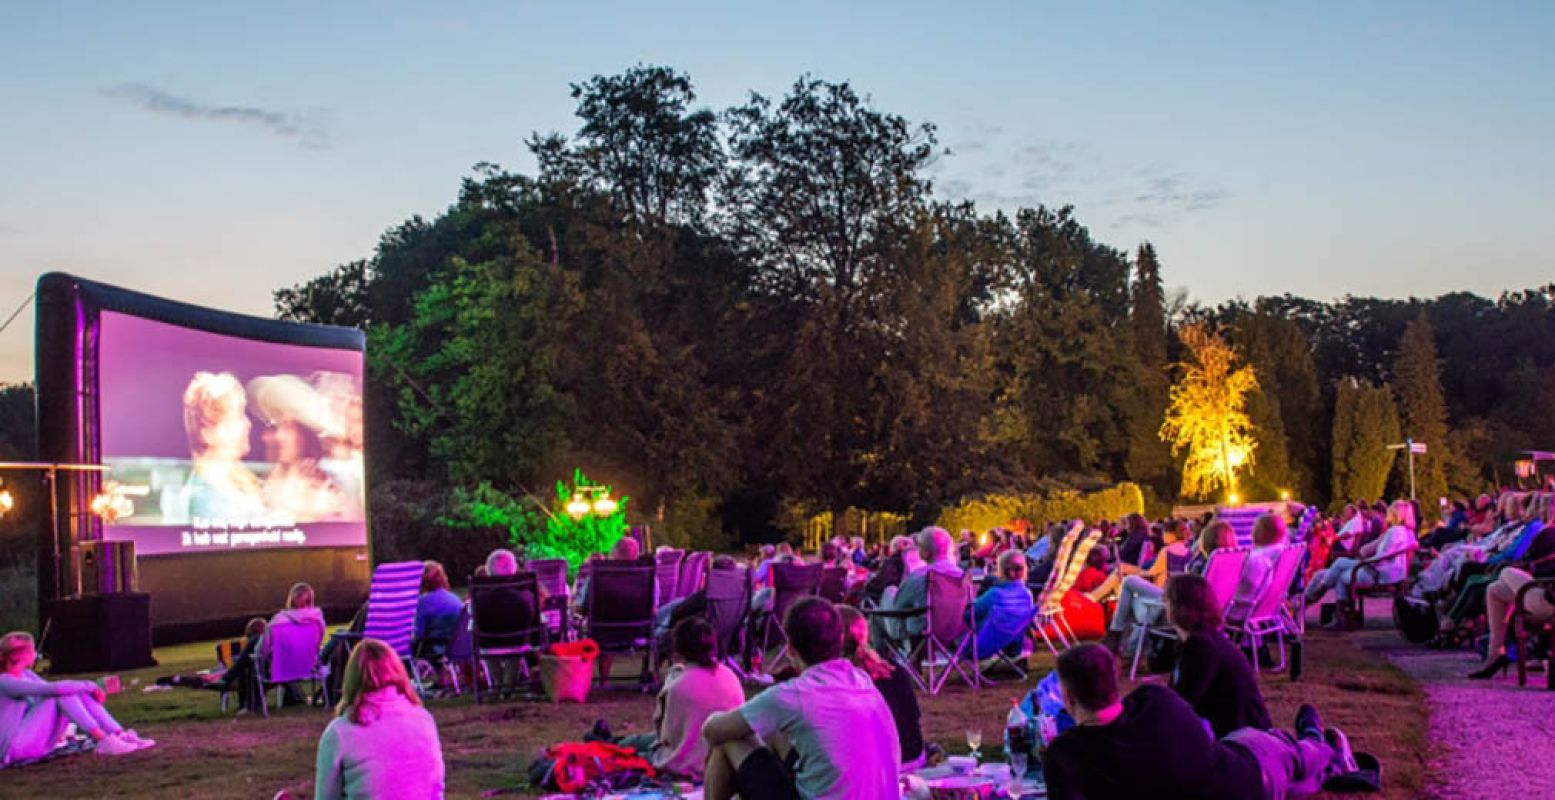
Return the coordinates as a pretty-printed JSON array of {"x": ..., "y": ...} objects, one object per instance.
[
  {"x": 620, "y": 613},
  {"x": 1267, "y": 617},
  {"x": 1222, "y": 571},
  {"x": 833, "y": 584},
  {"x": 552, "y": 576},
  {"x": 289, "y": 654},
  {"x": 790, "y": 582},
  {"x": 728, "y": 593},
  {"x": 505, "y": 621},
  {"x": 667, "y": 573},
  {"x": 1069, "y": 560},
  {"x": 947, "y": 637},
  {"x": 391, "y": 611},
  {"x": 693, "y": 573}
]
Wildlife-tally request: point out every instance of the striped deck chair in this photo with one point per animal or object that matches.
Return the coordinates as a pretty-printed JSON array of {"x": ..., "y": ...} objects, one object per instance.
[
  {"x": 1073, "y": 550},
  {"x": 391, "y": 609}
]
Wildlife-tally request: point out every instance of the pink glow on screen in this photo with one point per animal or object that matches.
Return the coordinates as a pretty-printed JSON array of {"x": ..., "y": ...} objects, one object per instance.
[{"x": 229, "y": 443}]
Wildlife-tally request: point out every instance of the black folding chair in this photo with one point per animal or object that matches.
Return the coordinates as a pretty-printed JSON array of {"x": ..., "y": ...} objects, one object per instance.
[
  {"x": 552, "y": 575},
  {"x": 728, "y": 601},
  {"x": 790, "y": 583},
  {"x": 667, "y": 571},
  {"x": 833, "y": 584},
  {"x": 505, "y": 621},
  {"x": 693, "y": 573},
  {"x": 620, "y": 611}
]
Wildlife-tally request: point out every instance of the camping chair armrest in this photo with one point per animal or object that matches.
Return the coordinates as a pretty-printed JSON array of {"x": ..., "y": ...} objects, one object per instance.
[
  {"x": 1546, "y": 585},
  {"x": 896, "y": 613}
]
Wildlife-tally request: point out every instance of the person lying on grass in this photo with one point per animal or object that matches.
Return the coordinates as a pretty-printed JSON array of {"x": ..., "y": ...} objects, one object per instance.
[
  {"x": 34, "y": 712},
  {"x": 1151, "y": 744}
]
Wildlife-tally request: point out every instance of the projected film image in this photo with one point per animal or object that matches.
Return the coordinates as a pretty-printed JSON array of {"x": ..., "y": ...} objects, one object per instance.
[{"x": 225, "y": 443}]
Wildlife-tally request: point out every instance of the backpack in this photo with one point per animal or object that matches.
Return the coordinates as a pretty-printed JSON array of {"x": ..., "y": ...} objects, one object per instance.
[{"x": 1415, "y": 619}]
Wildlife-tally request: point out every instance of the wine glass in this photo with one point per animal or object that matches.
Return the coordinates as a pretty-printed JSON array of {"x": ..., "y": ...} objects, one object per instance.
[{"x": 974, "y": 740}]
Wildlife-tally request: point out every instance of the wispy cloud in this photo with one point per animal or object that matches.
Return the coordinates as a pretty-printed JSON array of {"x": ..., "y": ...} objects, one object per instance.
[
  {"x": 306, "y": 129},
  {"x": 1010, "y": 172}
]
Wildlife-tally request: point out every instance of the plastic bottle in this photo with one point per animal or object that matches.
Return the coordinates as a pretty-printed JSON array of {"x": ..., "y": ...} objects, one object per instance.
[{"x": 1017, "y": 740}]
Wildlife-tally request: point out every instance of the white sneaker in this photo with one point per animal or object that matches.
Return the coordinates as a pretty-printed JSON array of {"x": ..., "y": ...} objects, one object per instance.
[
  {"x": 1344, "y": 757},
  {"x": 115, "y": 745},
  {"x": 136, "y": 739}
]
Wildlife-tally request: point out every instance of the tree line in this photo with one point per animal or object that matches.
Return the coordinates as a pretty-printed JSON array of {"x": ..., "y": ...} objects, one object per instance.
[{"x": 747, "y": 315}]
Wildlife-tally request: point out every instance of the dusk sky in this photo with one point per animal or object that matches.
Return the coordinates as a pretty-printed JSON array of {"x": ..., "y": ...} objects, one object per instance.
[{"x": 212, "y": 155}]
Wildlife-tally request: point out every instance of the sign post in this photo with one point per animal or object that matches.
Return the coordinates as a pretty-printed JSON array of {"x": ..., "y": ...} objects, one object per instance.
[{"x": 1411, "y": 446}]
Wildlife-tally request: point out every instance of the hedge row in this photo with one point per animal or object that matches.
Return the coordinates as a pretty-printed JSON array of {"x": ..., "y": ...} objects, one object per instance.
[{"x": 995, "y": 510}]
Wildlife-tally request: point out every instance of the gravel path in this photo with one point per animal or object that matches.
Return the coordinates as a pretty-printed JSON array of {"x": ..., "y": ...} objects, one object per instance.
[{"x": 1492, "y": 738}]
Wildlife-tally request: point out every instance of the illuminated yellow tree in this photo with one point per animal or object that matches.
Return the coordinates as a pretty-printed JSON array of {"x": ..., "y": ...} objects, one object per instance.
[{"x": 1207, "y": 415}]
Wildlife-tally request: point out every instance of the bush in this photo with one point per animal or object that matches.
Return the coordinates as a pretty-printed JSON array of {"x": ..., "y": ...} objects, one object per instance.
[
  {"x": 691, "y": 522},
  {"x": 994, "y": 510}
]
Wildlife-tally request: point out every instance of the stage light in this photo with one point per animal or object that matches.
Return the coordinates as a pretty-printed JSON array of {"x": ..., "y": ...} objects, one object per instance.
[
  {"x": 110, "y": 504},
  {"x": 7, "y": 502},
  {"x": 577, "y": 507},
  {"x": 604, "y": 506},
  {"x": 1285, "y": 495},
  {"x": 1234, "y": 498}
]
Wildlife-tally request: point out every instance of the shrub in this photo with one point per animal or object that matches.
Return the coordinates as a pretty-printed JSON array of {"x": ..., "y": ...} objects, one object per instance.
[{"x": 994, "y": 510}]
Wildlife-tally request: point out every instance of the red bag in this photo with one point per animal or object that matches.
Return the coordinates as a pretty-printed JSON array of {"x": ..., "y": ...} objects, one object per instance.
[{"x": 577, "y": 764}]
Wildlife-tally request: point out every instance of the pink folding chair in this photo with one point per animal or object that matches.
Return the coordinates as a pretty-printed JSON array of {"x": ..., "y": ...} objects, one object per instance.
[{"x": 290, "y": 654}]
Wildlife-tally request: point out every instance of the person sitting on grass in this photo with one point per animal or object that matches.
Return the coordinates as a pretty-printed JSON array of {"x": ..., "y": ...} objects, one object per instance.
[
  {"x": 893, "y": 682},
  {"x": 382, "y": 743},
  {"x": 1212, "y": 674},
  {"x": 34, "y": 712},
  {"x": 1151, "y": 744},
  {"x": 696, "y": 687},
  {"x": 824, "y": 734},
  {"x": 1002, "y": 613}
]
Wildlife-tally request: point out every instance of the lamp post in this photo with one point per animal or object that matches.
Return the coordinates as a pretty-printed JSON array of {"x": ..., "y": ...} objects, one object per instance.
[
  {"x": 51, "y": 470},
  {"x": 580, "y": 506}
]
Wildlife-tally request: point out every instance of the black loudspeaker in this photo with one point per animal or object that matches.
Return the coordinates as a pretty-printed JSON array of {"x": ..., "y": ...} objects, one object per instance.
[{"x": 98, "y": 633}]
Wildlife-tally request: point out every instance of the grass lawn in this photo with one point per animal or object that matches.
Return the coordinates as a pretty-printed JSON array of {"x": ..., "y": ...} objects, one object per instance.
[{"x": 202, "y": 753}]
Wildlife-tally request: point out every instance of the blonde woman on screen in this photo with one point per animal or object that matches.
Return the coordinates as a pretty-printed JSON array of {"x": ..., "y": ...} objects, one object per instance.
[{"x": 216, "y": 421}]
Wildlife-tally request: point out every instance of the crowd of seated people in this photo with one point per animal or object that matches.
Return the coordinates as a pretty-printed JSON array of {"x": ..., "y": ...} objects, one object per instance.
[{"x": 844, "y": 720}]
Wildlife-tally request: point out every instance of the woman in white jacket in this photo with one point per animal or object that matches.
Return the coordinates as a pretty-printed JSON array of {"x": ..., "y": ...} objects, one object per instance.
[{"x": 382, "y": 744}]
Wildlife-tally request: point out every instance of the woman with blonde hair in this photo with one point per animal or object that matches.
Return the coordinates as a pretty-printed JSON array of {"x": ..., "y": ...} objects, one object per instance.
[
  {"x": 216, "y": 422},
  {"x": 1269, "y": 535},
  {"x": 34, "y": 712},
  {"x": 382, "y": 743},
  {"x": 1390, "y": 554}
]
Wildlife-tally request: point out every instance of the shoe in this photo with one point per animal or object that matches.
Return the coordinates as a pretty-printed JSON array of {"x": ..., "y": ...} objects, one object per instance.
[
  {"x": 1344, "y": 757},
  {"x": 1309, "y": 723},
  {"x": 136, "y": 739},
  {"x": 1497, "y": 664},
  {"x": 115, "y": 745}
]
